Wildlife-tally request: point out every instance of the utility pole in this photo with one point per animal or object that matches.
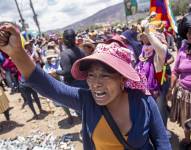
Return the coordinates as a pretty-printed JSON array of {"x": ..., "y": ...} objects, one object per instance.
[
  {"x": 21, "y": 17},
  {"x": 126, "y": 11},
  {"x": 35, "y": 17}
]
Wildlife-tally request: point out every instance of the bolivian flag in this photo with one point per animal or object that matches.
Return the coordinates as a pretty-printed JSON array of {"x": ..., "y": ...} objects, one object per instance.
[{"x": 130, "y": 7}]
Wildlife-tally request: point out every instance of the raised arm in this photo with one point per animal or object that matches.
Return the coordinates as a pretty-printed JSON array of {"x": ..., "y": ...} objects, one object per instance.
[
  {"x": 159, "y": 47},
  {"x": 36, "y": 78}
]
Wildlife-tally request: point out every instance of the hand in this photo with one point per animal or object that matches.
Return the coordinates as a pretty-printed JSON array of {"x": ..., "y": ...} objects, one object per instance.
[
  {"x": 53, "y": 73},
  {"x": 142, "y": 59},
  {"x": 170, "y": 93},
  {"x": 149, "y": 28},
  {"x": 14, "y": 46}
]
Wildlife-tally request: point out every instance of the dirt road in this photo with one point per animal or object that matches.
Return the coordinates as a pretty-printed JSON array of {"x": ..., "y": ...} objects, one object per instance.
[{"x": 54, "y": 122}]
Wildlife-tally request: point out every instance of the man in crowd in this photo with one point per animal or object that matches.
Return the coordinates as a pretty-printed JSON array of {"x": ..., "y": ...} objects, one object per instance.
[{"x": 70, "y": 53}]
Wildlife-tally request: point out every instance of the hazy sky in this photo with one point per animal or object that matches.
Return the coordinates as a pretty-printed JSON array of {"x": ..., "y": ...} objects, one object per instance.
[{"x": 52, "y": 13}]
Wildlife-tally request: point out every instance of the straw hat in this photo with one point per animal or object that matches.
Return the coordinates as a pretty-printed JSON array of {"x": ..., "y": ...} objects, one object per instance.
[
  {"x": 52, "y": 44},
  {"x": 50, "y": 53}
]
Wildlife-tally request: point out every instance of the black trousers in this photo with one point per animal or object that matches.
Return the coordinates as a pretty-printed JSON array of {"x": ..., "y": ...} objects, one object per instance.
[{"x": 28, "y": 95}]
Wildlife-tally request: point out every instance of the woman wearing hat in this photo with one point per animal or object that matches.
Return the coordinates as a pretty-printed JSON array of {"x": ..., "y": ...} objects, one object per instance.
[
  {"x": 88, "y": 46},
  {"x": 116, "y": 114},
  {"x": 181, "y": 80},
  {"x": 52, "y": 64},
  {"x": 154, "y": 63}
]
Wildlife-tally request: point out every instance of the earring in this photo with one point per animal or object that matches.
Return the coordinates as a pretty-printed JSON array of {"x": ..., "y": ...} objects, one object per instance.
[{"x": 122, "y": 87}]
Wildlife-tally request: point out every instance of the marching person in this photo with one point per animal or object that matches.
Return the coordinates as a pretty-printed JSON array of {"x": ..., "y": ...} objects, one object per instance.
[
  {"x": 181, "y": 81},
  {"x": 116, "y": 112},
  {"x": 70, "y": 53}
]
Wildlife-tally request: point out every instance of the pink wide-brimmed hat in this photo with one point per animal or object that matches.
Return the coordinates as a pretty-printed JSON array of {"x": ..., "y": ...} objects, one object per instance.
[{"x": 113, "y": 55}]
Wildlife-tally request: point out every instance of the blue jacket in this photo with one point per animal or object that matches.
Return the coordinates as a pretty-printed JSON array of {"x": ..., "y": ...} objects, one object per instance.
[{"x": 146, "y": 120}]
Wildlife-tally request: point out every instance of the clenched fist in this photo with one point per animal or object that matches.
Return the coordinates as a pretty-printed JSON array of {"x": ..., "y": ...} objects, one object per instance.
[
  {"x": 4, "y": 38},
  {"x": 10, "y": 40}
]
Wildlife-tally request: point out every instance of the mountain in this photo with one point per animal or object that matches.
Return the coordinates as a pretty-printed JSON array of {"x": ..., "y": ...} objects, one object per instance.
[{"x": 115, "y": 13}]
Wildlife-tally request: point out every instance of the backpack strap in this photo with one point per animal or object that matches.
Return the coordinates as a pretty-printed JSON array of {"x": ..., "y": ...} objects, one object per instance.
[{"x": 115, "y": 129}]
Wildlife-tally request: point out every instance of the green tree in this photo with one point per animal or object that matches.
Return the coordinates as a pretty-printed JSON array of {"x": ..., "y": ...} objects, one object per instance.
[{"x": 180, "y": 7}]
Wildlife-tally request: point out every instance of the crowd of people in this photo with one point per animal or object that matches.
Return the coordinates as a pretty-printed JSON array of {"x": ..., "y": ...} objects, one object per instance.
[{"x": 119, "y": 80}]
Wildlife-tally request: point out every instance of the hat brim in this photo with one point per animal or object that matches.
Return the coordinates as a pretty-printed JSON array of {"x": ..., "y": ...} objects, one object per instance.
[
  {"x": 122, "y": 67},
  {"x": 51, "y": 56},
  {"x": 118, "y": 39},
  {"x": 88, "y": 44}
]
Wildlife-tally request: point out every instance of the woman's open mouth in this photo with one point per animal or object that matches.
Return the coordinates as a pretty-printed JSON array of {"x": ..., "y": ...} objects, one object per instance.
[{"x": 99, "y": 94}]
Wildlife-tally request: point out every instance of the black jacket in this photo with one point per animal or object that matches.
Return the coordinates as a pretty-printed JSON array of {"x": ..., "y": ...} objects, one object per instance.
[{"x": 68, "y": 57}]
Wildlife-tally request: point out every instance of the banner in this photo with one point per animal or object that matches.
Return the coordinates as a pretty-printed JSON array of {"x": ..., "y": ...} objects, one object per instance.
[
  {"x": 164, "y": 12},
  {"x": 130, "y": 7}
]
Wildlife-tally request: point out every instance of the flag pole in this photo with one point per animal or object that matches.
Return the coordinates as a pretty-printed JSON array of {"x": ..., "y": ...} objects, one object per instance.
[{"x": 125, "y": 8}]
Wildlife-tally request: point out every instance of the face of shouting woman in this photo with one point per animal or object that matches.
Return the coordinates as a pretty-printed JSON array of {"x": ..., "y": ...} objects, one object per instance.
[{"x": 104, "y": 85}]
